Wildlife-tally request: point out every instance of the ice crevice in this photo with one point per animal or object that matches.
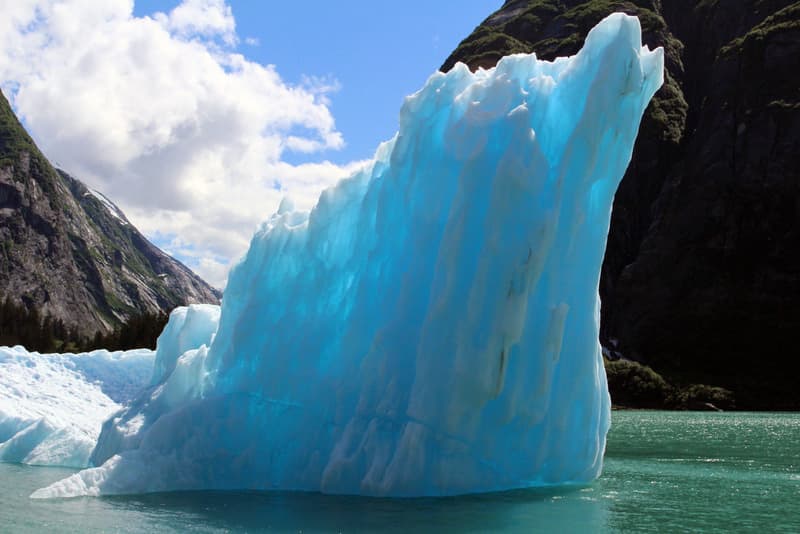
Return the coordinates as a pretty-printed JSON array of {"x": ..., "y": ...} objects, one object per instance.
[{"x": 430, "y": 327}]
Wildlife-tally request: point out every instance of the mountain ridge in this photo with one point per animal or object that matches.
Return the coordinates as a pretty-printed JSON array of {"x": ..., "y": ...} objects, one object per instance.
[{"x": 70, "y": 252}]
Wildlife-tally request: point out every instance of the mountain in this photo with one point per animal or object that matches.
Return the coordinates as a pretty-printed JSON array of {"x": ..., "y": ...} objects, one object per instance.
[
  {"x": 70, "y": 253},
  {"x": 701, "y": 278}
]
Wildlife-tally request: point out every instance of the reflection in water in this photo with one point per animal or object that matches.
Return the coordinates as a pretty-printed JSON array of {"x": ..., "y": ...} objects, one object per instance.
[
  {"x": 553, "y": 510},
  {"x": 557, "y": 510}
]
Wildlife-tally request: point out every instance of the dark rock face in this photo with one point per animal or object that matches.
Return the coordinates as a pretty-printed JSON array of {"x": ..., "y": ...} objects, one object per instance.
[
  {"x": 701, "y": 278},
  {"x": 72, "y": 254}
]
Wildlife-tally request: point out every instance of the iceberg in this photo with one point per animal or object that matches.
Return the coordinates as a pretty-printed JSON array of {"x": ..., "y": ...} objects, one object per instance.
[
  {"x": 430, "y": 327},
  {"x": 52, "y": 406}
]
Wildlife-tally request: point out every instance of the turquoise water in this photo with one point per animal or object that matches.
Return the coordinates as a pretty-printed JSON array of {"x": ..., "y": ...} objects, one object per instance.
[{"x": 665, "y": 472}]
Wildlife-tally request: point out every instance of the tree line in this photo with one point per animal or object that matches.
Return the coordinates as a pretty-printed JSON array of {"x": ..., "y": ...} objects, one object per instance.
[{"x": 20, "y": 325}]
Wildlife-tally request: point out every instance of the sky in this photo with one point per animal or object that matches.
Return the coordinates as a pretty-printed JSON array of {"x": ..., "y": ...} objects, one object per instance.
[{"x": 196, "y": 117}]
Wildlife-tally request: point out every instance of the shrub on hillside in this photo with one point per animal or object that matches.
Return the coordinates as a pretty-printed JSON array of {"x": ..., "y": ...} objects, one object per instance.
[
  {"x": 700, "y": 396},
  {"x": 632, "y": 384}
]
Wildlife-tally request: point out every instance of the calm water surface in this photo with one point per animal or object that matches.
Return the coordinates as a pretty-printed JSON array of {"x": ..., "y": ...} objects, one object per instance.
[{"x": 664, "y": 471}]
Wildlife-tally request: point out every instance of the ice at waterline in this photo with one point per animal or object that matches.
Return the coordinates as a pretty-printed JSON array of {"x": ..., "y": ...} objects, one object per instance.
[{"x": 431, "y": 326}]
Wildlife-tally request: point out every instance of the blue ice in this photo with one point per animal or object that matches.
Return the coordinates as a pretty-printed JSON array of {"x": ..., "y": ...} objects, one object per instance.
[{"x": 431, "y": 326}]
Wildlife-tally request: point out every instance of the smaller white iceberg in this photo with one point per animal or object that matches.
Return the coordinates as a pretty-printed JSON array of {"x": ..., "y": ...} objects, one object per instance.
[{"x": 53, "y": 406}]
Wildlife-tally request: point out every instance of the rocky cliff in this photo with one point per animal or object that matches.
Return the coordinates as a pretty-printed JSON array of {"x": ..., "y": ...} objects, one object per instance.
[
  {"x": 701, "y": 277},
  {"x": 70, "y": 252}
]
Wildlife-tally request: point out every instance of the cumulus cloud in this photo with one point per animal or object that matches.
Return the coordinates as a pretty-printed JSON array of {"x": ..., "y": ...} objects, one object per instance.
[
  {"x": 164, "y": 115},
  {"x": 207, "y": 18}
]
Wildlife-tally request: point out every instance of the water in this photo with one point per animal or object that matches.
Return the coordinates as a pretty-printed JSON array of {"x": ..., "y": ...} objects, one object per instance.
[{"x": 665, "y": 471}]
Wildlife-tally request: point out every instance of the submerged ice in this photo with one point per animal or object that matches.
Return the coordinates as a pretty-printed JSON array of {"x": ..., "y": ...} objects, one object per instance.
[{"x": 430, "y": 327}]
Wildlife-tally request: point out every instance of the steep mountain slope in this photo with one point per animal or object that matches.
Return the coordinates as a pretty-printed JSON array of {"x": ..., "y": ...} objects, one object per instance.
[
  {"x": 72, "y": 254},
  {"x": 702, "y": 271}
]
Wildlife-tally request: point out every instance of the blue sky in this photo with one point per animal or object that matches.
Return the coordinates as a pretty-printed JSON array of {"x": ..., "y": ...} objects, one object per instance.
[
  {"x": 197, "y": 117},
  {"x": 379, "y": 52}
]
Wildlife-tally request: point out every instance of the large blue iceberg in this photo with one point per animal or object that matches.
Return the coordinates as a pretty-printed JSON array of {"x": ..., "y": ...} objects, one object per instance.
[{"x": 431, "y": 326}]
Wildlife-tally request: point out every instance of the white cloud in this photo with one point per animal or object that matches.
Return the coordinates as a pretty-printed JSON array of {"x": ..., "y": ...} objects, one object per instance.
[
  {"x": 164, "y": 116},
  {"x": 207, "y": 18}
]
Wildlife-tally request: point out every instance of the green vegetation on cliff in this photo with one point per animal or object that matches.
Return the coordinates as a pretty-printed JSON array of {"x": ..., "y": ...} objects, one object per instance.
[
  {"x": 20, "y": 325},
  {"x": 634, "y": 385}
]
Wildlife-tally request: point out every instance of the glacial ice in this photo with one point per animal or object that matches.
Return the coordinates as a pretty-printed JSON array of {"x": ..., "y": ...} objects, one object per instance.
[
  {"x": 189, "y": 327},
  {"x": 52, "y": 405},
  {"x": 431, "y": 326}
]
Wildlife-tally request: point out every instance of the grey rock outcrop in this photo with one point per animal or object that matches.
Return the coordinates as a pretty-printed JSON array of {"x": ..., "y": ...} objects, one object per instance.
[{"x": 70, "y": 253}]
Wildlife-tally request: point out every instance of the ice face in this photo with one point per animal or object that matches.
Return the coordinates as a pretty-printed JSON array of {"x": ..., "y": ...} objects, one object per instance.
[
  {"x": 176, "y": 379},
  {"x": 189, "y": 327},
  {"x": 430, "y": 328}
]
